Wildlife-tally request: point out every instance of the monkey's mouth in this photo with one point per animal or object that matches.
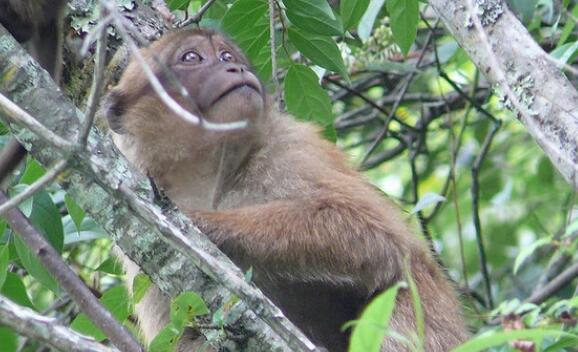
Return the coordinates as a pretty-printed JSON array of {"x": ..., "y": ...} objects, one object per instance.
[{"x": 234, "y": 87}]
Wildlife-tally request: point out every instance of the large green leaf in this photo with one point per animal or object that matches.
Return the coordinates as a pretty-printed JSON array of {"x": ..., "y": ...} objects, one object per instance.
[
  {"x": 321, "y": 50},
  {"x": 8, "y": 340},
  {"x": 404, "y": 15},
  {"x": 166, "y": 340},
  {"x": 483, "y": 342},
  {"x": 116, "y": 301},
  {"x": 4, "y": 256},
  {"x": 14, "y": 290},
  {"x": 371, "y": 328},
  {"x": 248, "y": 24},
  {"x": 351, "y": 12},
  {"x": 307, "y": 100},
  {"x": 313, "y": 16},
  {"x": 368, "y": 19},
  {"x": 33, "y": 265}
]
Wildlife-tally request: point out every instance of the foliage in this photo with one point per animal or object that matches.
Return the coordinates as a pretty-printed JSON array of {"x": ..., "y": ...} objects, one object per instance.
[{"x": 414, "y": 114}]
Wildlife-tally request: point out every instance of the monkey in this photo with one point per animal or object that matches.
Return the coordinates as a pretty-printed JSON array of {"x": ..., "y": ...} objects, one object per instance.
[
  {"x": 38, "y": 23},
  {"x": 274, "y": 196}
]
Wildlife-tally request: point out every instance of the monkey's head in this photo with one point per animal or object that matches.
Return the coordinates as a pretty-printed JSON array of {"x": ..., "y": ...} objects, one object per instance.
[{"x": 220, "y": 84}]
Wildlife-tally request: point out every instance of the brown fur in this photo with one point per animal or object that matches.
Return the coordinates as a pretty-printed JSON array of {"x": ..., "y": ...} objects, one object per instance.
[{"x": 278, "y": 198}]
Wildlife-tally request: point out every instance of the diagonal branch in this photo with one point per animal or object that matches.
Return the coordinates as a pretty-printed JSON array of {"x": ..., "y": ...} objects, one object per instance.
[{"x": 28, "y": 323}]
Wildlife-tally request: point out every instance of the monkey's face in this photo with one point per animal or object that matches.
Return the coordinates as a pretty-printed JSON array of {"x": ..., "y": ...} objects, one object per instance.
[
  {"x": 220, "y": 86},
  {"x": 218, "y": 78}
]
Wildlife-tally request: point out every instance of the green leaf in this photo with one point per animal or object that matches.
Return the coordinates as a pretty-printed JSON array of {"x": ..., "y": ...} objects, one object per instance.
[
  {"x": 351, "y": 11},
  {"x": 368, "y": 20},
  {"x": 14, "y": 290},
  {"x": 178, "y": 4},
  {"x": 32, "y": 172},
  {"x": 27, "y": 205},
  {"x": 75, "y": 212},
  {"x": 404, "y": 15},
  {"x": 483, "y": 342},
  {"x": 528, "y": 250},
  {"x": 89, "y": 231},
  {"x": 110, "y": 266},
  {"x": 4, "y": 257},
  {"x": 33, "y": 265},
  {"x": 321, "y": 50},
  {"x": 566, "y": 53},
  {"x": 8, "y": 339},
  {"x": 116, "y": 301},
  {"x": 568, "y": 27},
  {"x": 185, "y": 307},
  {"x": 313, "y": 16},
  {"x": 371, "y": 328},
  {"x": 46, "y": 218},
  {"x": 140, "y": 286},
  {"x": 243, "y": 15},
  {"x": 167, "y": 339},
  {"x": 429, "y": 198},
  {"x": 248, "y": 24},
  {"x": 307, "y": 100}
]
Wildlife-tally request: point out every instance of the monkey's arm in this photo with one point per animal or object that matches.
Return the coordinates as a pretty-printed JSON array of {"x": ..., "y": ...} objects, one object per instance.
[{"x": 316, "y": 239}]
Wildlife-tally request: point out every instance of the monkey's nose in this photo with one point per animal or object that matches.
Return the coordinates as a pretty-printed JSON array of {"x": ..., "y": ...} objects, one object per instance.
[{"x": 232, "y": 68}]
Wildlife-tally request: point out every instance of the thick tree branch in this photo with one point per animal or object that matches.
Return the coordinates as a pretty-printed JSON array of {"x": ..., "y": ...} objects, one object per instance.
[
  {"x": 47, "y": 330},
  {"x": 549, "y": 102}
]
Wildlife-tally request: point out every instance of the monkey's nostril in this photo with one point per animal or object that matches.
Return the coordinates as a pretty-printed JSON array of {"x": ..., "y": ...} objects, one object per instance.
[{"x": 236, "y": 69}]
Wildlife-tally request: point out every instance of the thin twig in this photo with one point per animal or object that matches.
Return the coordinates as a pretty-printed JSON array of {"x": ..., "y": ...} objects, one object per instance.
[
  {"x": 198, "y": 16},
  {"x": 476, "y": 209},
  {"x": 47, "y": 178},
  {"x": 27, "y": 322},
  {"x": 83, "y": 297},
  {"x": 405, "y": 86},
  {"x": 554, "y": 285},
  {"x": 16, "y": 114},
  {"x": 97, "y": 84},
  {"x": 273, "y": 47}
]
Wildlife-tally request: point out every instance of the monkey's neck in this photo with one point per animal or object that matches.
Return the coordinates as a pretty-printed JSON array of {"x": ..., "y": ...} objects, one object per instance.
[{"x": 199, "y": 181}]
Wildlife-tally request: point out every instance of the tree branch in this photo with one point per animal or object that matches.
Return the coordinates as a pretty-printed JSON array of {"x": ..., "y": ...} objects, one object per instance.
[
  {"x": 546, "y": 100},
  {"x": 28, "y": 323},
  {"x": 85, "y": 300}
]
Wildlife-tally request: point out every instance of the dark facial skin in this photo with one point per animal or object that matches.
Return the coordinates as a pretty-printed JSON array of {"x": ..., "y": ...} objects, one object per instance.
[
  {"x": 216, "y": 75},
  {"x": 214, "y": 72}
]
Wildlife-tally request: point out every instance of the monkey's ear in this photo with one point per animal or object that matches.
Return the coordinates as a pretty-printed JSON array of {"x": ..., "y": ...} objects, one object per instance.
[{"x": 113, "y": 109}]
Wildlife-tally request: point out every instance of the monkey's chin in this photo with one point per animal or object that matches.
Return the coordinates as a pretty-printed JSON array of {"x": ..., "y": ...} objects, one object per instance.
[{"x": 241, "y": 104}]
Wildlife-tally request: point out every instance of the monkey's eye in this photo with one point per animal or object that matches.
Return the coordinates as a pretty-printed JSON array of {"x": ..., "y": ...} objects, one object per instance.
[
  {"x": 226, "y": 56},
  {"x": 191, "y": 57}
]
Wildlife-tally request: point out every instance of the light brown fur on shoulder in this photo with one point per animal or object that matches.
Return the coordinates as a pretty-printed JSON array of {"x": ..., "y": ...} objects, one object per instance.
[{"x": 278, "y": 198}]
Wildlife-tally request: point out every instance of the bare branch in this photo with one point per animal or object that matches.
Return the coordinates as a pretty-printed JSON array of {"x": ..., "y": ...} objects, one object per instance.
[
  {"x": 198, "y": 16},
  {"x": 554, "y": 285},
  {"x": 28, "y": 323},
  {"x": 16, "y": 114},
  {"x": 47, "y": 178},
  {"x": 97, "y": 83}
]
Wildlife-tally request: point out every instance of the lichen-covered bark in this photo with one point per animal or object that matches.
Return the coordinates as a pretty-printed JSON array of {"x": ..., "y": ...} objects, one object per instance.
[
  {"x": 548, "y": 100},
  {"x": 98, "y": 175}
]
